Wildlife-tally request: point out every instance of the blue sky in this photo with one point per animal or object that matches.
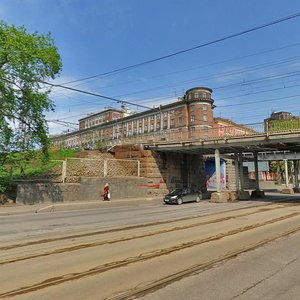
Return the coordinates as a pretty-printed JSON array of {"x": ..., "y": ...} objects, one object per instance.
[{"x": 97, "y": 36}]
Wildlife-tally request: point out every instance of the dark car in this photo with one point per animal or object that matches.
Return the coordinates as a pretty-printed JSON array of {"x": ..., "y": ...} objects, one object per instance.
[{"x": 180, "y": 196}]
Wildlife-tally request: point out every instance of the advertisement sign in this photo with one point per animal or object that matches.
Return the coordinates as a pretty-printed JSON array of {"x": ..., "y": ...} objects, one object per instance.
[{"x": 210, "y": 170}]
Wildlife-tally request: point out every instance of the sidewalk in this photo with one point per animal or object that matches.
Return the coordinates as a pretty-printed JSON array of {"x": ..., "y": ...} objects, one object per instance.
[{"x": 13, "y": 209}]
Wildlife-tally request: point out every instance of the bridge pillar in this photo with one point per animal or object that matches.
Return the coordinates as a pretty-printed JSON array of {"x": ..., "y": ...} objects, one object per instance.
[
  {"x": 218, "y": 169},
  {"x": 257, "y": 193},
  {"x": 287, "y": 189},
  {"x": 236, "y": 167},
  {"x": 296, "y": 171},
  {"x": 241, "y": 171},
  {"x": 256, "y": 170},
  {"x": 241, "y": 194}
]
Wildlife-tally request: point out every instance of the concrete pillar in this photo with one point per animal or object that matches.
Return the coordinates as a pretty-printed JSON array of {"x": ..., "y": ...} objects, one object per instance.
[
  {"x": 218, "y": 169},
  {"x": 241, "y": 171},
  {"x": 237, "y": 177},
  {"x": 287, "y": 190},
  {"x": 296, "y": 170},
  {"x": 256, "y": 170},
  {"x": 286, "y": 173}
]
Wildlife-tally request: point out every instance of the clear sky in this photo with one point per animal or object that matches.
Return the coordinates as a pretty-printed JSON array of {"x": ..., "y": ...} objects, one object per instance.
[{"x": 251, "y": 75}]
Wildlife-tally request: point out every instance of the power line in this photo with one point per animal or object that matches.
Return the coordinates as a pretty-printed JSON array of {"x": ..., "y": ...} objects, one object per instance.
[
  {"x": 191, "y": 49},
  {"x": 201, "y": 66},
  {"x": 94, "y": 94}
]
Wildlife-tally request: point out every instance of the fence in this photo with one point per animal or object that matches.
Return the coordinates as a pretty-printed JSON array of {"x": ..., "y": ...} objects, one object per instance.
[
  {"x": 77, "y": 167},
  {"x": 220, "y": 132}
]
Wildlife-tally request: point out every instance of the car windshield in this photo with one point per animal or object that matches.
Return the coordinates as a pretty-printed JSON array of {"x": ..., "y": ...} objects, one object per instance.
[{"x": 176, "y": 192}]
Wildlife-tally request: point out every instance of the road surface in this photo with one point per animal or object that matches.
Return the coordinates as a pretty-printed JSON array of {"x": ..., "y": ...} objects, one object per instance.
[{"x": 204, "y": 250}]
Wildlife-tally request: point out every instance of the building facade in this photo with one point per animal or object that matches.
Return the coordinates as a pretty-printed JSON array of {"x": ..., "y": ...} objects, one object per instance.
[{"x": 189, "y": 117}]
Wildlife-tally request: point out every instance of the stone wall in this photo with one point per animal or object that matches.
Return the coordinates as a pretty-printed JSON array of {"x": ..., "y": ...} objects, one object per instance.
[
  {"x": 89, "y": 189},
  {"x": 166, "y": 171},
  {"x": 31, "y": 193}
]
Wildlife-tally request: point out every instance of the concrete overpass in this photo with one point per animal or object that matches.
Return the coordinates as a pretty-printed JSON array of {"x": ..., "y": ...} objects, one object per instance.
[{"x": 254, "y": 145}]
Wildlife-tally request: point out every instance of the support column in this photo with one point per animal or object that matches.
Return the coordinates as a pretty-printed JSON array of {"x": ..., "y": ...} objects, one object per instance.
[
  {"x": 219, "y": 196},
  {"x": 287, "y": 189},
  {"x": 218, "y": 170},
  {"x": 242, "y": 195},
  {"x": 256, "y": 170},
  {"x": 286, "y": 173},
  {"x": 257, "y": 193},
  {"x": 296, "y": 170},
  {"x": 241, "y": 169},
  {"x": 237, "y": 176}
]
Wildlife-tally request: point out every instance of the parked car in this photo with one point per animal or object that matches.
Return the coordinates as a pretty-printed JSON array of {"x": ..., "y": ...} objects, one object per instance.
[{"x": 180, "y": 196}]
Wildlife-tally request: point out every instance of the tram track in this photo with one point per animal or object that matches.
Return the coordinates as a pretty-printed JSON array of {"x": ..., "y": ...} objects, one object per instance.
[
  {"x": 125, "y": 238},
  {"x": 161, "y": 252}
]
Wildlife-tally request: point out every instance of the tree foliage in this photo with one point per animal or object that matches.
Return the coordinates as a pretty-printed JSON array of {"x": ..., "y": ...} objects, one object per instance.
[{"x": 25, "y": 61}]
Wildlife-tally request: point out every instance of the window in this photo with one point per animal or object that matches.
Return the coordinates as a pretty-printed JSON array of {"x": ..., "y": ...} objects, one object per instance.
[
  {"x": 203, "y": 94},
  {"x": 172, "y": 123},
  {"x": 180, "y": 121},
  {"x": 196, "y": 95},
  {"x": 190, "y": 96},
  {"x": 192, "y": 108},
  {"x": 193, "y": 118},
  {"x": 152, "y": 117},
  {"x": 165, "y": 124},
  {"x": 205, "y": 118},
  {"x": 204, "y": 107}
]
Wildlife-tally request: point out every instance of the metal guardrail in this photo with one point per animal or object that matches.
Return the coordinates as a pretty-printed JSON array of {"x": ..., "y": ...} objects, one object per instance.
[{"x": 221, "y": 132}]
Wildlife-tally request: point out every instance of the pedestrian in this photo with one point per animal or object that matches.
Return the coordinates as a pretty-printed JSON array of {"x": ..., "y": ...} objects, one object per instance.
[{"x": 106, "y": 193}]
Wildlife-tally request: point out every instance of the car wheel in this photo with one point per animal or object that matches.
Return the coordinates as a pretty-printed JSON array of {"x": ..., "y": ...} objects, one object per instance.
[
  {"x": 179, "y": 201},
  {"x": 198, "y": 199}
]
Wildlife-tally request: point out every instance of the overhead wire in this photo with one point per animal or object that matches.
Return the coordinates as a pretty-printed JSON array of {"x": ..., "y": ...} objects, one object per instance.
[{"x": 296, "y": 15}]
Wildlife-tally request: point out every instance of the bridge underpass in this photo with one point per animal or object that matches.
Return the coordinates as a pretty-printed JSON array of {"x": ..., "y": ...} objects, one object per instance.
[{"x": 261, "y": 147}]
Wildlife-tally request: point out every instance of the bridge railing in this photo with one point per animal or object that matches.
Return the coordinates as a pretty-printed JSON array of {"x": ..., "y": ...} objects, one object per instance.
[{"x": 208, "y": 133}]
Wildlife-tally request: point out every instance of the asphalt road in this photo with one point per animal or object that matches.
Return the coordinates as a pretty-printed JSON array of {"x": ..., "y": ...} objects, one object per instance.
[
  {"x": 268, "y": 272},
  {"x": 241, "y": 250}
]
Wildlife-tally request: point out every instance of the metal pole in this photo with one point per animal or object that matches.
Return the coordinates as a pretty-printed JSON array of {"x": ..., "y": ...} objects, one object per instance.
[{"x": 218, "y": 169}]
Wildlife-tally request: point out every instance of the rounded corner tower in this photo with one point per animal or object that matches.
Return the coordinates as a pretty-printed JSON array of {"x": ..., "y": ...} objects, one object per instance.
[{"x": 201, "y": 106}]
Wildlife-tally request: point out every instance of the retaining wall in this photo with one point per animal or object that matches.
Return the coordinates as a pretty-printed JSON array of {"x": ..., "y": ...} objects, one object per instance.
[{"x": 89, "y": 189}]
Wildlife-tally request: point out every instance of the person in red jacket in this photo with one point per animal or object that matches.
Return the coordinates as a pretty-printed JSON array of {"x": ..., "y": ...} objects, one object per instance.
[{"x": 106, "y": 193}]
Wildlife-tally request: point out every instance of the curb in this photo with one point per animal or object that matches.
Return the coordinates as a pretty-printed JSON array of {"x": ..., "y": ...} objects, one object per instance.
[{"x": 68, "y": 206}]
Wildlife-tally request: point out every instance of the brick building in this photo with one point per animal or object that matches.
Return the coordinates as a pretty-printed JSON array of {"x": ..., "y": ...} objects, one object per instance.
[{"x": 189, "y": 117}]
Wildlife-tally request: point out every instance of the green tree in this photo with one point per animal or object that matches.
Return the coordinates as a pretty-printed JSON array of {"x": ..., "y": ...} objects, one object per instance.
[{"x": 26, "y": 60}]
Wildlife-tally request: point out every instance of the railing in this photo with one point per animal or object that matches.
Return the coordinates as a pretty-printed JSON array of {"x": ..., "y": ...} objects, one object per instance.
[
  {"x": 221, "y": 132},
  {"x": 200, "y": 133}
]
